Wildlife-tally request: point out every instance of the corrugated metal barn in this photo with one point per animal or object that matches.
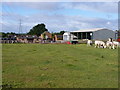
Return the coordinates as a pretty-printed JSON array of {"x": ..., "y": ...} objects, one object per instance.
[{"x": 95, "y": 34}]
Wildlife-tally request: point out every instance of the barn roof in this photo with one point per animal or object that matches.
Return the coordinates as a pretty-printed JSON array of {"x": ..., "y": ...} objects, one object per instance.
[{"x": 89, "y": 30}]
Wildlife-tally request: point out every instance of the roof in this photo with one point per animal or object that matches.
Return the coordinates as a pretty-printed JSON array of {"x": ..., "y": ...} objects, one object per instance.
[
  {"x": 66, "y": 33},
  {"x": 90, "y": 30}
]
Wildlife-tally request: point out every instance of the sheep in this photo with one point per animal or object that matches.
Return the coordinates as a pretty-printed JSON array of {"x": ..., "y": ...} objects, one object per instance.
[
  {"x": 99, "y": 44},
  {"x": 89, "y": 43}
]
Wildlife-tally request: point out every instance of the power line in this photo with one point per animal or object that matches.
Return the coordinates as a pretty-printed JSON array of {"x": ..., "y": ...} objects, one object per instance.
[
  {"x": 7, "y": 16},
  {"x": 9, "y": 11},
  {"x": 11, "y": 16}
]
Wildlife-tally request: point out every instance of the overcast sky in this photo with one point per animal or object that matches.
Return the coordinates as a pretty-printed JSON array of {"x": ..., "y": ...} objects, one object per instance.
[{"x": 57, "y": 16}]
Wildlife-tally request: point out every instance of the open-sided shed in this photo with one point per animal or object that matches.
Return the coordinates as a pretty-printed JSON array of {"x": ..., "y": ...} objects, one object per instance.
[{"x": 98, "y": 33}]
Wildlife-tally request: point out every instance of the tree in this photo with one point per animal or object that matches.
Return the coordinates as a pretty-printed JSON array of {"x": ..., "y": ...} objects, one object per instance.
[
  {"x": 37, "y": 30},
  {"x": 59, "y": 33},
  {"x": 62, "y": 32},
  {"x": 7, "y": 34},
  {"x": 3, "y": 34}
]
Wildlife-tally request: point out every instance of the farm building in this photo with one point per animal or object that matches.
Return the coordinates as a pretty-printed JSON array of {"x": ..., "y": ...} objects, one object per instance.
[
  {"x": 67, "y": 36},
  {"x": 94, "y": 34},
  {"x": 58, "y": 37},
  {"x": 46, "y": 35},
  {"x": 28, "y": 39}
]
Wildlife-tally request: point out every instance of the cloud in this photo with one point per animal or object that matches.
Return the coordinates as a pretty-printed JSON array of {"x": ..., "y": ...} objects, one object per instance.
[
  {"x": 35, "y": 5},
  {"x": 106, "y": 7},
  {"x": 33, "y": 0},
  {"x": 61, "y": 1},
  {"x": 56, "y": 22}
]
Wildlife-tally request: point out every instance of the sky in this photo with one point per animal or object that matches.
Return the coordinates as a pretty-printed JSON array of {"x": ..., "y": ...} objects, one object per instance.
[{"x": 58, "y": 16}]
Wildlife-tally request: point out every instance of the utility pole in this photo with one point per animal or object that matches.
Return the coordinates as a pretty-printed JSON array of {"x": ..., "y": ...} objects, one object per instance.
[{"x": 20, "y": 27}]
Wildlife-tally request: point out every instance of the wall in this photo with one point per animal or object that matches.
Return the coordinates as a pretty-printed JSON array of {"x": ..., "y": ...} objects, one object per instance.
[
  {"x": 67, "y": 36},
  {"x": 103, "y": 34}
]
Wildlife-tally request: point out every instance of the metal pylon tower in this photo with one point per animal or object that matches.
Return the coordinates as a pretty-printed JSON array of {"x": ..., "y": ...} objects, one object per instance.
[{"x": 20, "y": 27}]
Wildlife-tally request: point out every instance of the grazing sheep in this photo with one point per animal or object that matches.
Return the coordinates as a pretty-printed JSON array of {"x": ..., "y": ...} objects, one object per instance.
[
  {"x": 116, "y": 44},
  {"x": 99, "y": 44},
  {"x": 110, "y": 45},
  {"x": 89, "y": 43}
]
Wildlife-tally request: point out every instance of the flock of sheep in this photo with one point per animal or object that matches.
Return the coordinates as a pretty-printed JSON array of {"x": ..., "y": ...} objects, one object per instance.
[{"x": 101, "y": 44}]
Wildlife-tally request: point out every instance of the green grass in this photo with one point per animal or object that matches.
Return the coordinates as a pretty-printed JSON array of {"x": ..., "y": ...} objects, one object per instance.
[{"x": 59, "y": 66}]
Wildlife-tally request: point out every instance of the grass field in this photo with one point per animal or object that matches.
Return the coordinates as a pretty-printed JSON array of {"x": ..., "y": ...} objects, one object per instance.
[{"x": 59, "y": 66}]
